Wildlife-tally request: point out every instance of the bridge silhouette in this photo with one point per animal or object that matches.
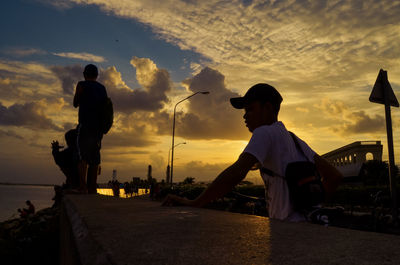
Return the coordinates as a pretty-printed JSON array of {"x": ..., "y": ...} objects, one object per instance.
[{"x": 350, "y": 158}]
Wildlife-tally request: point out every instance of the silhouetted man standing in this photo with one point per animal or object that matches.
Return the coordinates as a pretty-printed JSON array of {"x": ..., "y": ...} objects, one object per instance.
[{"x": 90, "y": 96}]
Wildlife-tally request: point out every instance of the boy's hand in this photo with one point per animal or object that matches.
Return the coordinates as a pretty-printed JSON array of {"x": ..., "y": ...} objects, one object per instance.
[{"x": 55, "y": 145}]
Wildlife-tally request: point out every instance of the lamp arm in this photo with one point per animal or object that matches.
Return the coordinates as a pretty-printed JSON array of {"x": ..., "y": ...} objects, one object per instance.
[{"x": 185, "y": 99}]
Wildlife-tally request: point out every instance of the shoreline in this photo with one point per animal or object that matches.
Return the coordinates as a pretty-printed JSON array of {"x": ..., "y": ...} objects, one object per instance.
[
  {"x": 15, "y": 196},
  {"x": 26, "y": 184},
  {"x": 31, "y": 240}
]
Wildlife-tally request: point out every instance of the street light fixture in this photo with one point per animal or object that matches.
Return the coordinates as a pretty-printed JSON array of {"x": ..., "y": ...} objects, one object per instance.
[{"x": 173, "y": 130}]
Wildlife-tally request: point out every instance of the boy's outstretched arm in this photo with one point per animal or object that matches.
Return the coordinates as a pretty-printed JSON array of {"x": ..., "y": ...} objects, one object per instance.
[{"x": 223, "y": 184}]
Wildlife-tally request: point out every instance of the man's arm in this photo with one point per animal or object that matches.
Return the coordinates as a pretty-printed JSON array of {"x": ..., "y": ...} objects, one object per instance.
[
  {"x": 224, "y": 183},
  {"x": 77, "y": 96}
]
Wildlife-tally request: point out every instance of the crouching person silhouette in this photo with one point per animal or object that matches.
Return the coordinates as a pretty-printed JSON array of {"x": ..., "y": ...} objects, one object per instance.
[
  {"x": 25, "y": 212},
  {"x": 67, "y": 159},
  {"x": 270, "y": 147}
]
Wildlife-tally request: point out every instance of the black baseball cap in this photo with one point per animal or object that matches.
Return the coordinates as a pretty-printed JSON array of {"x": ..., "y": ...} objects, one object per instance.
[{"x": 261, "y": 92}]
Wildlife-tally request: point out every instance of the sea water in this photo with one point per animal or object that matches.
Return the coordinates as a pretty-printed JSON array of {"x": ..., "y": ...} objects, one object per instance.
[{"x": 13, "y": 197}]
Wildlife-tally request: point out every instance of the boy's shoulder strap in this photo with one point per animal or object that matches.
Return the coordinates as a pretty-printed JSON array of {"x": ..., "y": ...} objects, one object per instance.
[{"x": 298, "y": 146}]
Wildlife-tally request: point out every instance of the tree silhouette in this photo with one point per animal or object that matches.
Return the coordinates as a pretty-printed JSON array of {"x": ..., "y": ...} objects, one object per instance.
[
  {"x": 188, "y": 180},
  {"x": 375, "y": 172}
]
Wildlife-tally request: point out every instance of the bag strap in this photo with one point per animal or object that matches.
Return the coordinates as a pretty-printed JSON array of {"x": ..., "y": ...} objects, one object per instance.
[
  {"x": 298, "y": 147},
  {"x": 301, "y": 150}
]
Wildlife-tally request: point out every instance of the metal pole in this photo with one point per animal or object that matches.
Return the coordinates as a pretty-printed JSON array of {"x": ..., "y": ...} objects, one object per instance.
[
  {"x": 389, "y": 132},
  {"x": 168, "y": 171},
  {"x": 173, "y": 130},
  {"x": 168, "y": 166},
  {"x": 173, "y": 136}
]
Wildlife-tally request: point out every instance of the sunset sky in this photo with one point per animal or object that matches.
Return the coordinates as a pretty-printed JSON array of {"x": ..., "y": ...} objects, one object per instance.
[{"x": 323, "y": 56}]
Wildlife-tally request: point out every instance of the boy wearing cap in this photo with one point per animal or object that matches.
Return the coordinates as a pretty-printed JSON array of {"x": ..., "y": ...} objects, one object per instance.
[
  {"x": 89, "y": 97},
  {"x": 271, "y": 146}
]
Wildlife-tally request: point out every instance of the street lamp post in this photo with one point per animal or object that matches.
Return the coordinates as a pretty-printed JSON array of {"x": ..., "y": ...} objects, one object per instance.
[
  {"x": 168, "y": 166},
  {"x": 173, "y": 130}
]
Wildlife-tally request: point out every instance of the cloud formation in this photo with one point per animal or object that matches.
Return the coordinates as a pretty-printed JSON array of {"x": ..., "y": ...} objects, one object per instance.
[
  {"x": 136, "y": 136},
  {"x": 155, "y": 83},
  {"x": 84, "y": 56},
  {"x": 364, "y": 123},
  {"x": 293, "y": 42},
  {"x": 30, "y": 115},
  {"x": 351, "y": 122},
  {"x": 208, "y": 116},
  {"x": 22, "y": 52},
  {"x": 20, "y": 81},
  {"x": 10, "y": 133},
  {"x": 69, "y": 76},
  {"x": 300, "y": 47}
]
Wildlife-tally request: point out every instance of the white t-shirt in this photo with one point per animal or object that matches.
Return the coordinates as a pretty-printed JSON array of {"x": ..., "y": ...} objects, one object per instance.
[{"x": 274, "y": 148}]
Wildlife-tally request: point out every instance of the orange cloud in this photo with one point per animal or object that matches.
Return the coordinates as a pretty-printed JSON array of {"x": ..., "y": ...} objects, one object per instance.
[
  {"x": 347, "y": 121},
  {"x": 294, "y": 42},
  {"x": 207, "y": 116},
  {"x": 150, "y": 97}
]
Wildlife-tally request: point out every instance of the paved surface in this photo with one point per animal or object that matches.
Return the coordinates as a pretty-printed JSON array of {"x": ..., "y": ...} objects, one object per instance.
[{"x": 110, "y": 230}]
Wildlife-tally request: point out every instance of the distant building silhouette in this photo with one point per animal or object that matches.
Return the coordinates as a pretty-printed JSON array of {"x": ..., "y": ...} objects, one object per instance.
[
  {"x": 114, "y": 175},
  {"x": 149, "y": 177},
  {"x": 350, "y": 158}
]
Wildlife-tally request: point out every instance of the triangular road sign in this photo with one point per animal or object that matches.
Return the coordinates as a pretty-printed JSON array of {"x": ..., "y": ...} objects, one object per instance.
[
  {"x": 383, "y": 93},
  {"x": 381, "y": 86}
]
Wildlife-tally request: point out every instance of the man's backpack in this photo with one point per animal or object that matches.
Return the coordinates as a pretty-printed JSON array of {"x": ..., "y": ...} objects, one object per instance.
[{"x": 107, "y": 116}]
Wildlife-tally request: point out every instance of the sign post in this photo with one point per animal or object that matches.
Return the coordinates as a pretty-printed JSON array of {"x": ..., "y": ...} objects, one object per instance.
[{"x": 382, "y": 93}]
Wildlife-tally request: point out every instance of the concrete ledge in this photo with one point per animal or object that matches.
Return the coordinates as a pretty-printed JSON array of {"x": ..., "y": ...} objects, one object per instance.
[
  {"x": 107, "y": 230},
  {"x": 77, "y": 245}
]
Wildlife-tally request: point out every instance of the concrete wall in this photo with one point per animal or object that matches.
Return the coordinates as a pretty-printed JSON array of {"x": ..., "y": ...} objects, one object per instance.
[
  {"x": 68, "y": 251},
  {"x": 77, "y": 245}
]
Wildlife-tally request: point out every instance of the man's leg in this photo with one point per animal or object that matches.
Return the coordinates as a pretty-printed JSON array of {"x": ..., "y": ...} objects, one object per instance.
[
  {"x": 92, "y": 178},
  {"x": 81, "y": 146},
  {"x": 90, "y": 144},
  {"x": 82, "y": 170},
  {"x": 94, "y": 164}
]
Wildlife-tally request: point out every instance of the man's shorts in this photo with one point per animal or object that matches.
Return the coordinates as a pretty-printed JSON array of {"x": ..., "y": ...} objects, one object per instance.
[{"x": 89, "y": 145}]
